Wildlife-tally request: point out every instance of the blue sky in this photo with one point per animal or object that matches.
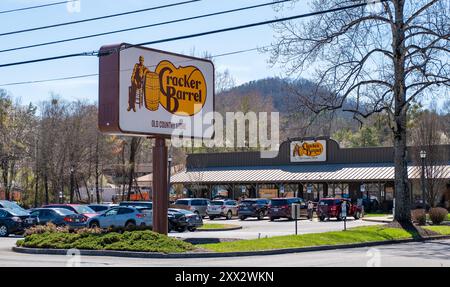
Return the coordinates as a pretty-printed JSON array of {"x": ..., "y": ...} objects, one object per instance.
[{"x": 243, "y": 67}]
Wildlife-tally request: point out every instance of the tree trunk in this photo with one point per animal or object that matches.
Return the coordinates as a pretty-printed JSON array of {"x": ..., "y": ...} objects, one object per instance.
[
  {"x": 97, "y": 174},
  {"x": 46, "y": 188},
  {"x": 36, "y": 191},
  {"x": 402, "y": 195},
  {"x": 72, "y": 186},
  {"x": 133, "y": 148}
]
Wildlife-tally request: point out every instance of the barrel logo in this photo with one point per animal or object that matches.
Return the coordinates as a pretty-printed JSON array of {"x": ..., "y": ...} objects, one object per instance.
[{"x": 179, "y": 90}]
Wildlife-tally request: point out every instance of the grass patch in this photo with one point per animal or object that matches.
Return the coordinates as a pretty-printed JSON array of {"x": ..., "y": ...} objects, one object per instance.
[
  {"x": 212, "y": 226},
  {"x": 441, "y": 229},
  {"x": 145, "y": 241},
  {"x": 354, "y": 235}
]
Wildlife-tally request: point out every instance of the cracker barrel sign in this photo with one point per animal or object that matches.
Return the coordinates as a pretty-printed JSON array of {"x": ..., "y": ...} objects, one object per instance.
[
  {"x": 305, "y": 151},
  {"x": 150, "y": 92}
]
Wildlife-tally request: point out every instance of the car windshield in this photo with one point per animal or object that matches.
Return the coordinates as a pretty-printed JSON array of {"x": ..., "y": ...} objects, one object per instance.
[
  {"x": 247, "y": 202},
  {"x": 63, "y": 211},
  {"x": 216, "y": 203},
  {"x": 278, "y": 202},
  {"x": 182, "y": 202},
  {"x": 326, "y": 202},
  {"x": 181, "y": 211},
  {"x": 17, "y": 212},
  {"x": 82, "y": 209},
  {"x": 12, "y": 205}
]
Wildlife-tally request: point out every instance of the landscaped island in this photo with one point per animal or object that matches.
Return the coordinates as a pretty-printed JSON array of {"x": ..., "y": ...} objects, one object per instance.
[{"x": 148, "y": 241}]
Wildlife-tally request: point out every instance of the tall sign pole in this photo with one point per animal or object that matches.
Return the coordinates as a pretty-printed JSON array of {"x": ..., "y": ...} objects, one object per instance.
[{"x": 160, "y": 188}]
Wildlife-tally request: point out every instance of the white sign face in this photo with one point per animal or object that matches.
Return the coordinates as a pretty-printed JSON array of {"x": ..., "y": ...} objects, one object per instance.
[
  {"x": 309, "y": 189},
  {"x": 363, "y": 188},
  {"x": 161, "y": 93},
  {"x": 308, "y": 151}
]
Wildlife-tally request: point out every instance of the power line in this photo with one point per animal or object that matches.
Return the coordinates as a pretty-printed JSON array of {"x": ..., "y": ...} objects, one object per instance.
[
  {"x": 37, "y": 6},
  {"x": 93, "y": 75},
  {"x": 96, "y": 53},
  {"x": 99, "y": 18},
  {"x": 141, "y": 27}
]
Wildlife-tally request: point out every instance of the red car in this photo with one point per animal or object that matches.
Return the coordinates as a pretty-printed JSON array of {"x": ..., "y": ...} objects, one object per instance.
[
  {"x": 77, "y": 208},
  {"x": 331, "y": 208}
]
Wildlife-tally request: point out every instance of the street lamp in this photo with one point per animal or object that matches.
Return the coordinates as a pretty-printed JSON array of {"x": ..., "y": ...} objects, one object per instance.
[
  {"x": 169, "y": 165},
  {"x": 423, "y": 156}
]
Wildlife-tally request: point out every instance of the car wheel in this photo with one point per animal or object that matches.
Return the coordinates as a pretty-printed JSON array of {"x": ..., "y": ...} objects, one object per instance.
[
  {"x": 242, "y": 218},
  {"x": 229, "y": 215},
  {"x": 94, "y": 224},
  {"x": 4, "y": 231},
  {"x": 322, "y": 218},
  {"x": 260, "y": 215},
  {"x": 130, "y": 225},
  {"x": 181, "y": 229},
  {"x": 357, "y": 215},
  {"x": 211, "y": 217},
  {"x": 192, "y": 229},
  {"x": 272, "y": 218}
]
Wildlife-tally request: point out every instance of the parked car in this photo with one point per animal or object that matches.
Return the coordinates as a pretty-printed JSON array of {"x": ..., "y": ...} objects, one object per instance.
[
  {"x": 11, "y": 205},
  {"x": 253, "y": 207},
  {"x": 371, "y": 203},
  {"x": 13, "y": 221},
  {"x": 194, "y": 220},
  {"x": 177, "y": 220},
  {"x": 77, "y": 208},
  {"x": 122, "y": 217},
  {"x": 196, "y": 205},
  {"x": 282, "y": 208},
  {"x": 222, "y": 208},
  {"x": 59, "y": 217},
  {"x": 99, "y": 208},
  {"x": 331, "y": 208},
  {"x": 147, "y": 204}
]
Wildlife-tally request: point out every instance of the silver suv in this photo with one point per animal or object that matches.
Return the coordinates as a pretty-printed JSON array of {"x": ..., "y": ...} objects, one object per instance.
[
  {"x": 196, "y": 205},
  {"x": 222, "y": 208}
]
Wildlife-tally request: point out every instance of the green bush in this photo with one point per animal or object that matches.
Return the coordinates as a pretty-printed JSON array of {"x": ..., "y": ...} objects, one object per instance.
[
  {"x": 438, "y": 214},
  {"x": 145, "y": 241},
  {"x": 419, "y": 216}
]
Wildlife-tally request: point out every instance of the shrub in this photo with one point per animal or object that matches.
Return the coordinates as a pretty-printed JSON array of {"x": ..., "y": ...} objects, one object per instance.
[
  {"x": 419, "y": 216},
  {"x": 438, "y": 214},
  {"x": 145, "y": 241},
  {"x": 49, "y": 227}
]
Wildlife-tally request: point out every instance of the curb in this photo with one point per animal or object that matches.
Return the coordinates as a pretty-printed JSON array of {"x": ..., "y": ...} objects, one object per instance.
[
  {"x": 220, "y": 229},
  {"x": 132, "y": 254}
]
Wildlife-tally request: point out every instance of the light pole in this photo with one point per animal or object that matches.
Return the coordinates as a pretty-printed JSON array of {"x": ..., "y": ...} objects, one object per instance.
[
  {"x": 423, "y": 156},
  {"x": 169, "y": 161}
]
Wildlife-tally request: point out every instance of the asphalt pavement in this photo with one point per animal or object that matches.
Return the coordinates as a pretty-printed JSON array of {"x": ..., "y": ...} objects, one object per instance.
[{"x": 417, "y": 254}]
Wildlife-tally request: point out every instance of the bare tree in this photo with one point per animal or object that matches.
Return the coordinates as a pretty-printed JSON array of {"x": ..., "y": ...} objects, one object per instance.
[
  {"x": 377, "y": 58},
  {"x": 428, "y": 136}
]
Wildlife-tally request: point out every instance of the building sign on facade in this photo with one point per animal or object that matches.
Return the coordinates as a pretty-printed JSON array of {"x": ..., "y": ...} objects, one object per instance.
[
  {"x": 308, "y": 151},
  {"x": 150, "y": 92}
]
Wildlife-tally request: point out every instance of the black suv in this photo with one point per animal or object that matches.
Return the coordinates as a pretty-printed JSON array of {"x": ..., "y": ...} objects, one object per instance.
[{"x": 253, "y": 207}]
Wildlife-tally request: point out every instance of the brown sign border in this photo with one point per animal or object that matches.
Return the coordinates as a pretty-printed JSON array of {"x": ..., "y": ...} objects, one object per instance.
[{"x": 109, "y": 90}]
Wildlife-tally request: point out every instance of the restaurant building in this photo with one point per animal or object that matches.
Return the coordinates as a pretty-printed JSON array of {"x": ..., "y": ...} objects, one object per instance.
[{"x": 310, "y": 168}]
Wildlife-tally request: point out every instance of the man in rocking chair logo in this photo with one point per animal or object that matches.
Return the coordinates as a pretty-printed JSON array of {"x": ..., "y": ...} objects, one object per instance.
[{"x": 137, "y": 84}]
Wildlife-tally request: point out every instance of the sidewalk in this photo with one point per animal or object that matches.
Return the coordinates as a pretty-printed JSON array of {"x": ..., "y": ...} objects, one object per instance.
[{"x": 382, "y": 219}]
